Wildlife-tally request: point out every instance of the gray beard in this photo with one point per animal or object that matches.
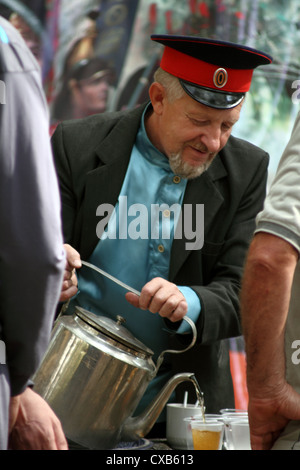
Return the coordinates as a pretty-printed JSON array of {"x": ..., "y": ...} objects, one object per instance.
[{"x": 185, "y": 170}]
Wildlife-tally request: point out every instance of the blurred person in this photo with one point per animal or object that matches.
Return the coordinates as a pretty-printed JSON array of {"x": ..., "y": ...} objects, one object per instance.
[
  {"x": 85, "y": 90},
  {"x": 176, "y": 149},
  {"x": 32, "y": 257},
  {"x": 270, "y": 301},
  {"x": 31, "y": 38}
]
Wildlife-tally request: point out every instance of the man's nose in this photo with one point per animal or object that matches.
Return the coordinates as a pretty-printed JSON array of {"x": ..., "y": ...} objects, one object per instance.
[{"x": 212, "y": 140}]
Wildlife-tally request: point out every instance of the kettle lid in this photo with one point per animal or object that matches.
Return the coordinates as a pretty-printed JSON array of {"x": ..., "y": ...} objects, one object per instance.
[{"x": 113, "y": 329}]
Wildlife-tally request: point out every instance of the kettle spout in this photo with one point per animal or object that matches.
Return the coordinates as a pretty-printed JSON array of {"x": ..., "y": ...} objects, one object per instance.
[{"x": 137, "y": 427}]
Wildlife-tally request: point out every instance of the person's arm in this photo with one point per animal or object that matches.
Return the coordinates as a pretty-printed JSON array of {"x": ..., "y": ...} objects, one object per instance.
[
  {"x": 265, "y": 299},
  {"x": 32, "y": 258},
  {"x": 33, "y": 424}
]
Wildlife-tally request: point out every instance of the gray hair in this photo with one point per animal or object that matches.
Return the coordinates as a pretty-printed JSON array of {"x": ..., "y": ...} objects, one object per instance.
[{"x": 170, "y": 83}]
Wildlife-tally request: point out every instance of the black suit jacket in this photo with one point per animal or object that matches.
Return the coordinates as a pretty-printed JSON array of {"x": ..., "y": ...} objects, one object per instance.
[{"x": 92, "y": 156}]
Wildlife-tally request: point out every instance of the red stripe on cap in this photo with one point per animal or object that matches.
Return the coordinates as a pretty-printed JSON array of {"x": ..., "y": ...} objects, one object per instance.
[{"x": 202, "y": 73}]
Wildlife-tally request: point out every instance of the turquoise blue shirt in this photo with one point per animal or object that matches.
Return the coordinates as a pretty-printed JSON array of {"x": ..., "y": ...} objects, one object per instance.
[{"x": 136, "y": 247}]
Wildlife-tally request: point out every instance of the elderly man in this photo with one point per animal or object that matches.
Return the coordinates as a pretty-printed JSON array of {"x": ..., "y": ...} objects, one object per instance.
[{"x": 175, "y": 151}]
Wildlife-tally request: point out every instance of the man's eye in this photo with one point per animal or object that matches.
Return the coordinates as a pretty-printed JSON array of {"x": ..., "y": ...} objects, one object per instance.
[{"x": 198, "y": 123}]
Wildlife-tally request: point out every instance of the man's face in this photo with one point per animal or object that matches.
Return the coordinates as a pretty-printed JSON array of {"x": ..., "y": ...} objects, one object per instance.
[
  {"x": 191, "y": 134},
  {"x": 92, "y": 95}
]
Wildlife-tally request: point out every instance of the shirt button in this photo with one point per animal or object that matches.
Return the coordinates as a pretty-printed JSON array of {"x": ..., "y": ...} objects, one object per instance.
[
  {"x": 176, "y": 179},
  {"x": 161, "y": 248},
  {"x": 166, "y": 213}
]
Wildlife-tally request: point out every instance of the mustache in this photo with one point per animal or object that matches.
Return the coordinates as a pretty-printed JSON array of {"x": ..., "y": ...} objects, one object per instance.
[{"x": 202, "y": 148}]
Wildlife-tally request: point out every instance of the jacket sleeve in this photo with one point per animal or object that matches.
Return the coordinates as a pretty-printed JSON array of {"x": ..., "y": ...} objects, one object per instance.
[
  {"x": 32, "y": 258},
  {"x": 67, "y": 191}
]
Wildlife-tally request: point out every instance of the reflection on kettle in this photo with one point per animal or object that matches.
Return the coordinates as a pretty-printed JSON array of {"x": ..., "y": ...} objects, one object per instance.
[{"x": 93, "y": 376}]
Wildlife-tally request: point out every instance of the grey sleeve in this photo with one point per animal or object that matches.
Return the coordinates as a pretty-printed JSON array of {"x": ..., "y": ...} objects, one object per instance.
[
  {"x": 281, "y": 213},
  {"x": 32, "y": 258}
]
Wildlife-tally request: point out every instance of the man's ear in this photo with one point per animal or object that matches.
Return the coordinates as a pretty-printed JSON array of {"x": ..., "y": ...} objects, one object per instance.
[{"x": 157, "y": 95}]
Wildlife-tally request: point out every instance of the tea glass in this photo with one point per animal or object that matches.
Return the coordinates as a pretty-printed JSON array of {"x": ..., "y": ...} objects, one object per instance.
[
  {"x": 236, "y": 432},
  {"x": 240, "y": 434},
  {"x": 206, "y": 435},
  {"x": 177, "y": 432}
]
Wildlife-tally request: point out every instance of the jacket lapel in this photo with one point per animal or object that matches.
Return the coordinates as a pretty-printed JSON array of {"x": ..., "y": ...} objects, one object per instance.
[
  {"x": 202, "y": 190},
  {"x": 103, "y": 185}
]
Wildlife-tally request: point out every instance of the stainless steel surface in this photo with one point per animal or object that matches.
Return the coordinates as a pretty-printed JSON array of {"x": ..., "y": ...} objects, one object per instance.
[
  {"x": 93, "y": 375},
  {"x": 92, "y": 381},
  {"x": 194, "y": 331},
  {"x": 113, "y": 329},
  {"x": 109, "y": 276}
]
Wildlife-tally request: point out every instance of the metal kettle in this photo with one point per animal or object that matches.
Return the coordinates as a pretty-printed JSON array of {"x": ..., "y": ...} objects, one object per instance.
[{"x": 93, "y": 376}]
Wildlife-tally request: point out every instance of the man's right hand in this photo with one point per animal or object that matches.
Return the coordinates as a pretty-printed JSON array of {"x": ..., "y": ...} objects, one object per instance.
[
  {"x": 268, "y": 415},
  {"x": 69, "y": 287}
]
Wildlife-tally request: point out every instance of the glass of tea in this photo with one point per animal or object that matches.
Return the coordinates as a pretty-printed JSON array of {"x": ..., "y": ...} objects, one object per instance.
[{"x": 206, "y": 435}]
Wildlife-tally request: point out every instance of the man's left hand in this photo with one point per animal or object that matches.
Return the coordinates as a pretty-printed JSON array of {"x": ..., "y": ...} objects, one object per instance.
[{"x": 160, "y": 296}]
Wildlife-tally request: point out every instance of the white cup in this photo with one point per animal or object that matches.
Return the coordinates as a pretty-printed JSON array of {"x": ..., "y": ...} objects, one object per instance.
[
  {"x": 232, "y": 411},
  {"x": 177, "y": 433},
  {"x": 229, "y": 416},
  {"x": 240, "y": 434}
]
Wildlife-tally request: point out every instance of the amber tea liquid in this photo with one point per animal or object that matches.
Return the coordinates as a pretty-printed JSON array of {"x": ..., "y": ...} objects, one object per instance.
[{"x": 206, "y": 440}]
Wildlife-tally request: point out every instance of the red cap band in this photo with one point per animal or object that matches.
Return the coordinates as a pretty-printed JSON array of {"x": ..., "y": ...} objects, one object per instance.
[{"x": 204, "y": 74}]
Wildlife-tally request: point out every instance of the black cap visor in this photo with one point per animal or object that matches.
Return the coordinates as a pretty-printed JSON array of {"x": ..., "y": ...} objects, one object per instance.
[{"x": 212, "y": 98}]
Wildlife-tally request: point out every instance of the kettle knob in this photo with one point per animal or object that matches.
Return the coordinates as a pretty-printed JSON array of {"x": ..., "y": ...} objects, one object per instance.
[{"x": 120, "y": 320}]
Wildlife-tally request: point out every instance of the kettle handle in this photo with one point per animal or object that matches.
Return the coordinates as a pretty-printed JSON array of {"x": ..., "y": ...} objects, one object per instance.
[{"x": 174, "y": 351}]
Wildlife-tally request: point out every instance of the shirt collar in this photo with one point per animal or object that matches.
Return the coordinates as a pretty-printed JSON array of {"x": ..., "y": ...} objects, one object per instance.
[{"x": 147, "y": 149}]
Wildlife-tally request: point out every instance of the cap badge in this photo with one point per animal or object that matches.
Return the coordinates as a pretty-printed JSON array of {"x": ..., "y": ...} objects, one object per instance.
[{"x": 220, "y": 78}]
